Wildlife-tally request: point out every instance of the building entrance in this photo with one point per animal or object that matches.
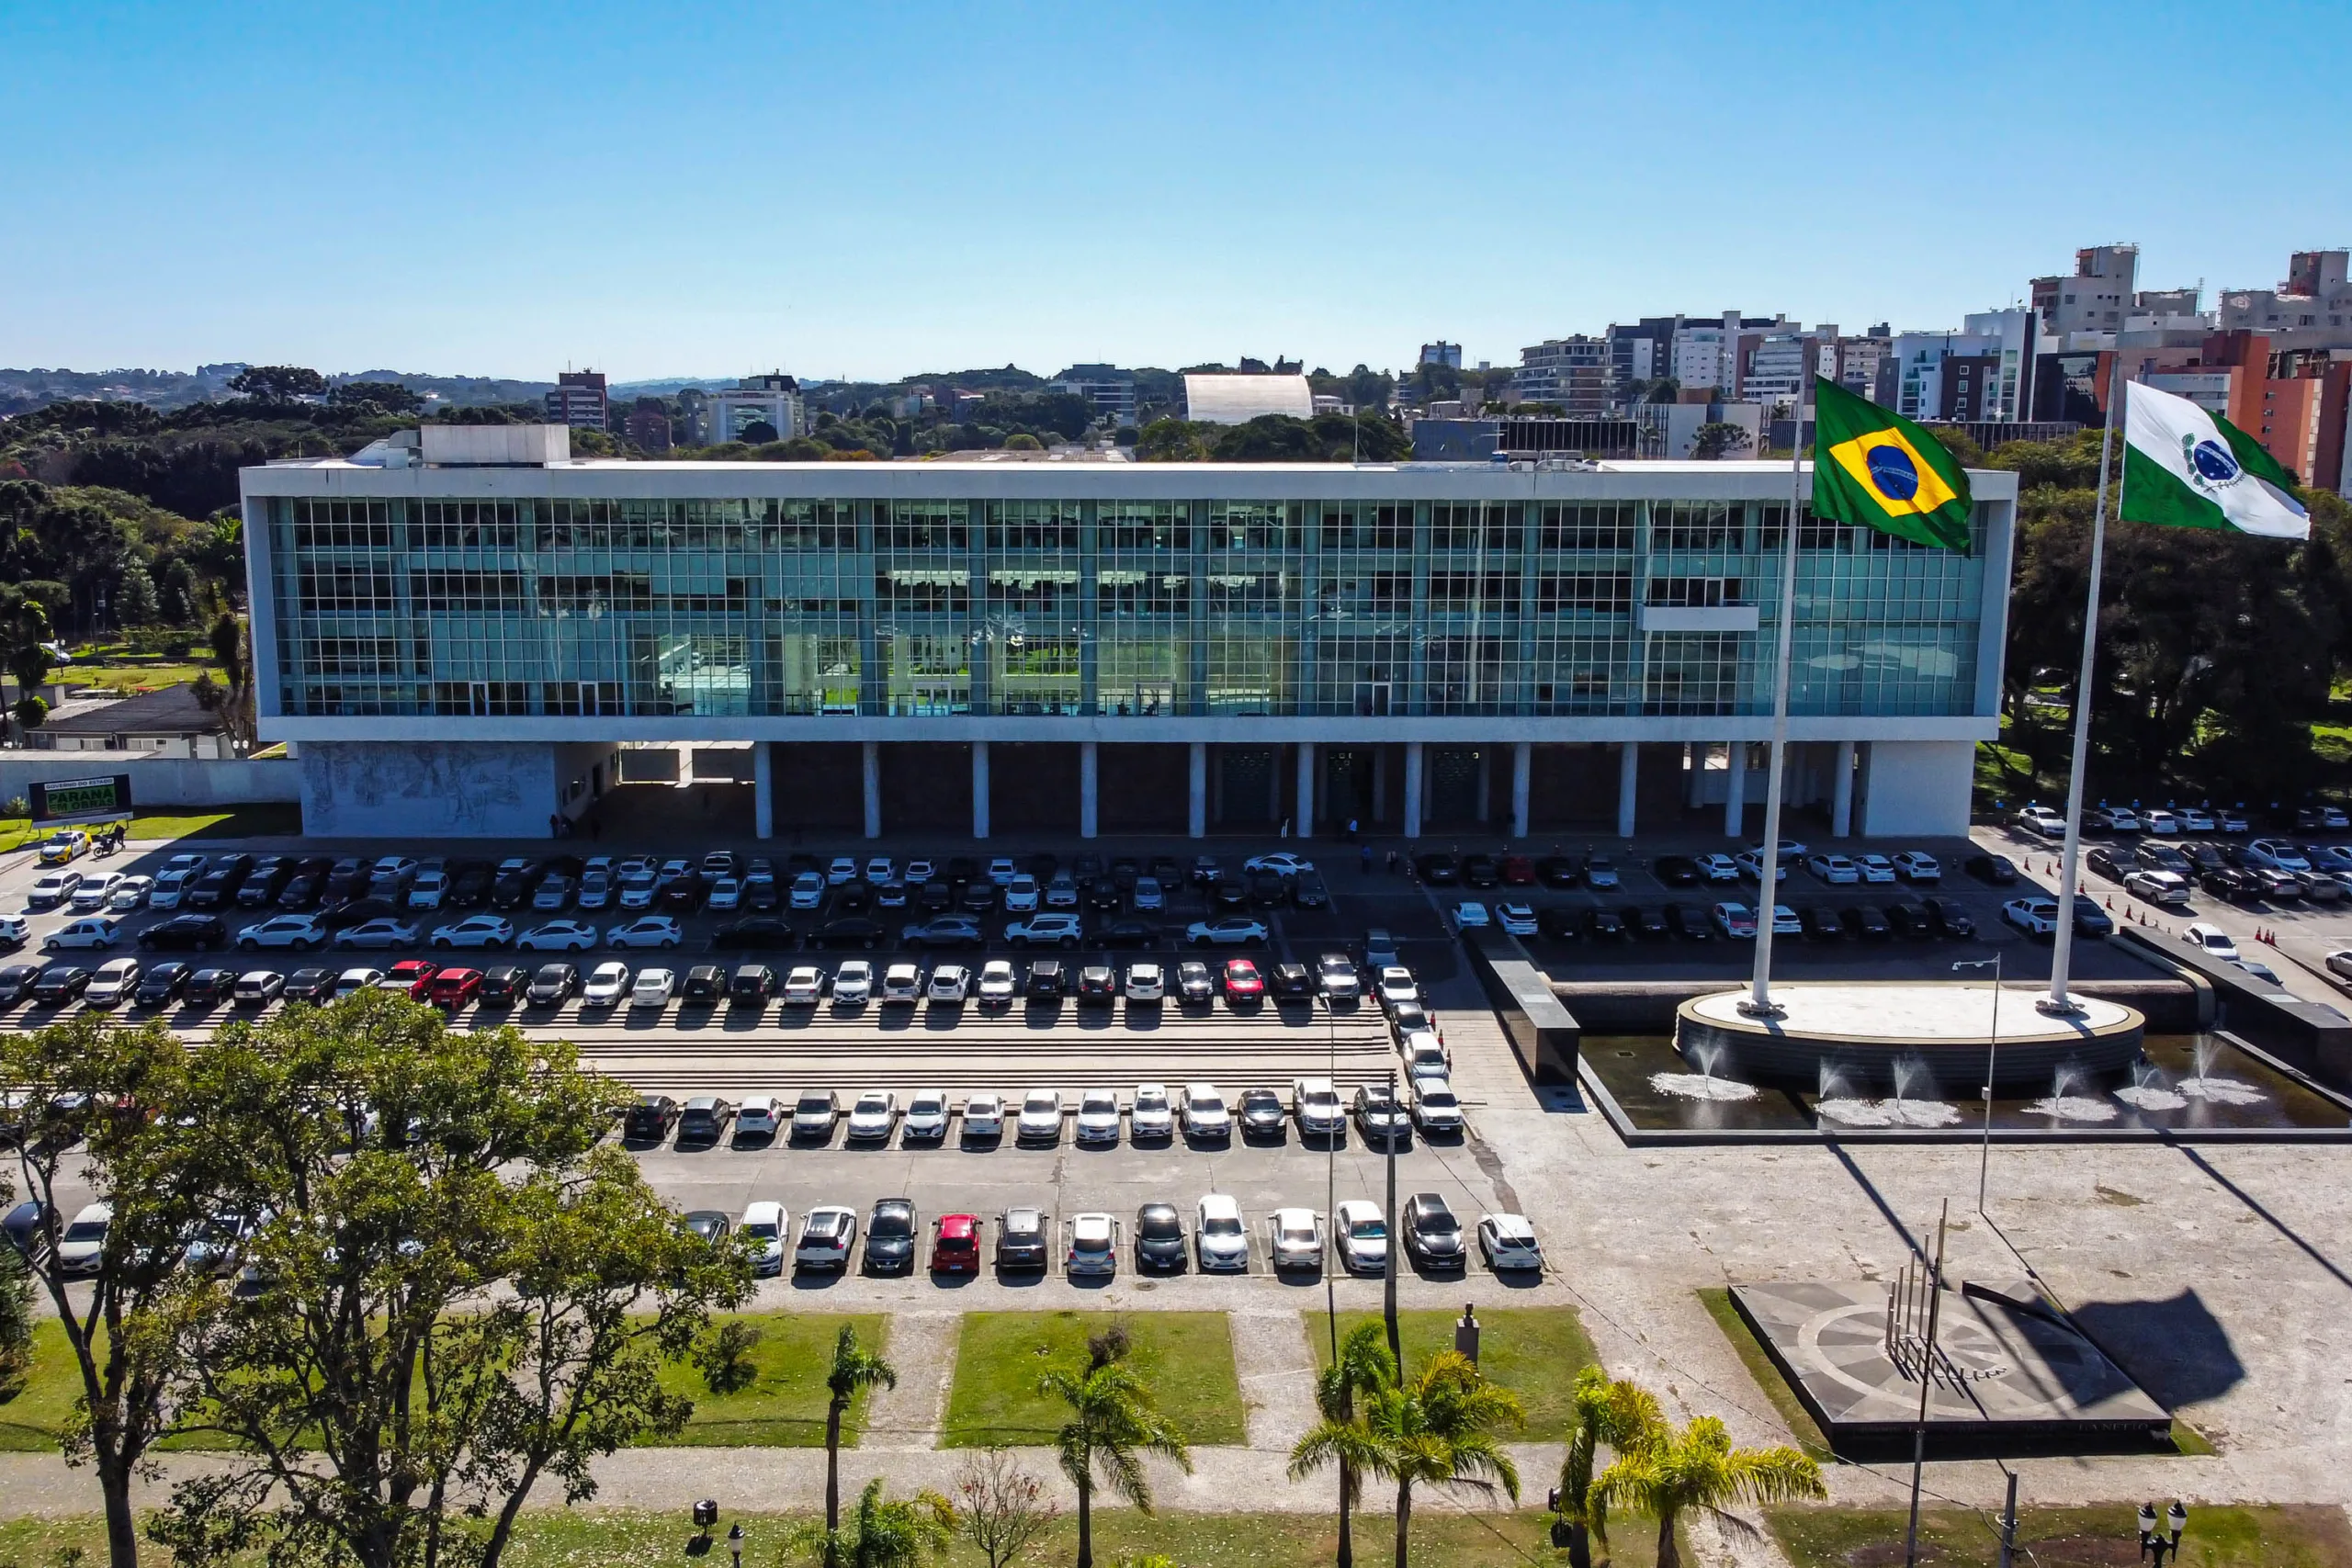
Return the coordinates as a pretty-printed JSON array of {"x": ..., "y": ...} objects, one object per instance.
[{"x": 1245, "y": 779}]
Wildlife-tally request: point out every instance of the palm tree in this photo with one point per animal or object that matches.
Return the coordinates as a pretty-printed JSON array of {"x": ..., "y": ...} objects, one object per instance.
[
  {"x": 883, "y": 1533},
  {"x": 1437, "y": 1429},
  {"x": 1114, "y": 1422},
  {"x": 1619, "y": 1415},
  {"x": 1698, "y": 1468},
  {"x": 853, "y": 1369},
  {"x": 1363, "y": 1367}
]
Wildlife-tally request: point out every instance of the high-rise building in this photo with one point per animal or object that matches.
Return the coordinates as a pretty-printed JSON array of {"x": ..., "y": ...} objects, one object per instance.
[
  {"x": 1108, "y": 390},
  {"x": 1446, "y": 354},
  {"x": 2312, "y": 309},
  {"x": 2096, "y": 298},
  {"x": 773, "y": 399},
  {"x": 579, "y": 400},
  {"x": 1573, "y": 372},
  {"x": 1777, "y": 367},
  {"x": 694, "y": 416},
  {"x": 648, "y": 425},
  {"x": 1859, "y": 361},
  {"x": 1985, "y": 369},
  {"x": 1640, "y": 352}
]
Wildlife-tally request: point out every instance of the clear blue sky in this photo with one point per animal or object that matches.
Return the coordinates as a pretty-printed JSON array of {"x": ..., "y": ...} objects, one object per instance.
[{"x": 880, "y": 189}]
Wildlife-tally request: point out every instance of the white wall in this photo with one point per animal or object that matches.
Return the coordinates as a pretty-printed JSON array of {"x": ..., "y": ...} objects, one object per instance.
[
  {"x": 429, "y": 789},
  {"x": 158, "y": 781},
  {"x": 1914, "y": 788}
]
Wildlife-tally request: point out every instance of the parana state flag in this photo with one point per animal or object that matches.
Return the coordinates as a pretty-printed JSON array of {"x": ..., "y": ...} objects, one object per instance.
[
  {"x": 2186, "y": 468},
  {"x": 1875, "y": 469}
]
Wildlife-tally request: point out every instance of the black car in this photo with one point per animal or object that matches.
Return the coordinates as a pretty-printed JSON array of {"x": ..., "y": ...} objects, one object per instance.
[
  {"x": 22, "y": 1226},
  {"x": 186, "y": 933},
  {"x": 703, "y": 1120},
  {"x": 313, "y": 985},
  {"x": 650, "y": 1119},
  {"x": 1647, "y": 924},
  {"x": 1127, "y": 934},
  {"x": 2111, "y": 862},
  {"x": 1229, "y": 894},
  {"x": 2090, "y": 920},
  {"x": 16, "y": 982},
  {"x": 962, "y": 869},
  {"x": 948, "y": 931},
  {"x": 1690, "y": 922},
  {"x": 1290, "y": 980},
  {"x": 356, "y": 911},
  {"x": 1097, "y": 986},
  {"x": 1308, "y": 893},
  {"x": 470, "y": 884},
  {"x": 891, "y": 1237},
  {"x": 1378, "y": 1116},
  {"x": 553, "y": 985},
  {"x": 1258, "y": 1113},
  {"x": 756, "y": 933},
  {"x": 1164, "y": 871},
  {"x": 1557, "y": 871},
  {"x": 1480, "y": 871},
  {"x": 1439, "y": 869},
  {"x": 1604, "y": 925},
  {"x": 513, "y": 889},
  {"x": 681, "y": 895},
  {"x": 750, "y": 986},
  {"x": 849, "y": 931},
  {"x": 1864, "y": 920},
  {"x": 2205, "y": 856},
  {"x": 1998, "y": 871},
  {"x": 1046, "y": 980},
  {"x": 1820, "y": 924},
  {"x": 1159, "y": 1237},
  {"x": 302, "y": 893},
  {"x": 1949, "y": 918},
  {"x": 1910, "y": 920},
  {"x": 2228, "y": 882},
  {"x": 1557, "y": 922},
  {"x": 2154, "y": 854},
  {"x": 59, "y": 984},
  {"x": 1268, "y": 888},
  {"x": 935, "y": 897},
  {"x": 209, "y": 985},
  {"x": 704, "y": 983},
  {"x": 1102, "y": 894},
  {"x": 218, "y": 886},
  {"x": 346, "y": 877},
  {"x": 1023, "y": 1239},
  {"x": 1676, "y": 871},
  {"x": 264, "y": 882},
  {"x": 760, "y": 893},
  {"x": 854, "y": 897},
  {"x": 1432, "y": 1235},
  {"x": 502, "y": 986},
  {"x": 1127, "y": 871},
  {"x": 979, "y": 896}
]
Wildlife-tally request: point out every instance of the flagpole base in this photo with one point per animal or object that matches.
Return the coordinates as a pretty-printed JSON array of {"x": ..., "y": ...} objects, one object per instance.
[
  {"x": 1750, "y": 1007},
  {"x": 2058, "y": 1007}
]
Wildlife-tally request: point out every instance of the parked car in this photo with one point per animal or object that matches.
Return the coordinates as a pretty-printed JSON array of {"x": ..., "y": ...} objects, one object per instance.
[
  {"x": 1432, "y": 1235},
  {"x": 1509, "y": 1243},
  {"x": 1220, "y": 1239},
  {"x": 828, "y": 1236},
  {"x": 1203, "y": 1112}
]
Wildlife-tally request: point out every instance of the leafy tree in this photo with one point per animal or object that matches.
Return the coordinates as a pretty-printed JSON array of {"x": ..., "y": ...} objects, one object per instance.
[
  {"x": 1717, "y": 438},
  {"x": 724, "y": 1357},
  {"x": 882, "y": 1533},
  {"x": 1021, "y": 440},
  {"x": 1114, "y": 1422},
  {"x": 388, "y": 397},
  {"x": 135, "y": 603},
  {"x": 1001, "y": 1508},
  {"x": 463, "y": 1290},
  {"x": 231, "y": 696},
  {"x": 30, "y": 711},
  {"x": 758, "y": 431},
  {"x": 1618, "y": 1415},
  {"x": 278, "y": 383},
  {"x": 1697, "y": 1469},
  {"x": 16, "y": 1311},
  {"x": 1365, "y": 1368},
  {"x": 1438, "y": 1429},
  {"x": 855, "y": 1369}
]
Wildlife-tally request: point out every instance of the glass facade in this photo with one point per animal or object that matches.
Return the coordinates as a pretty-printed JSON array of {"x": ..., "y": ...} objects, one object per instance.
[{"x": 759, "y": 606}]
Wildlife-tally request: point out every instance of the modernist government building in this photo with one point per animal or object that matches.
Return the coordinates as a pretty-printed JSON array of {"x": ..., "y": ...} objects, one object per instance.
[{"x": 463, "y": 631}]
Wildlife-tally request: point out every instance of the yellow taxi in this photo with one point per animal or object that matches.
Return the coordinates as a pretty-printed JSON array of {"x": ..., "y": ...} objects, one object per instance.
[{"x": 63, "y": 845}]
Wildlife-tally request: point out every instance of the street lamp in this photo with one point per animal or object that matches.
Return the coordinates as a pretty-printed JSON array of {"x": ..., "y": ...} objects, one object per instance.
[
  {"x": 1992, "y": 1050},
  {"x": 2153, "y": 1545}
]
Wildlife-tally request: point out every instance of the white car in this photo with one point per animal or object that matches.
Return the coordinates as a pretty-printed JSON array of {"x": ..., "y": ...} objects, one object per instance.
[
  {"x": 645, "y": 931},
  {"x": 1150, "y": 897},
  {"x": 984, "y": 1116},
  {"x": 2042, "y": 820},
  {"x": 873, "y": 1117},
  {"x": 1093, "y": 1245},
  {"x": 828, "y": 1236},
  {"x": 901, "y": 983},
  {"x": 653, "y": 989},
  {"x": 1041, "y": 1117},
  {"x": 879, "y": 870},
  {"x": 764, "y": 1225},
  {"x": 1220, "y": 1240},
  {"x": 1735, "y": 921},
  {"x": 2197, "y": 820},
  {"x": 2214, "y": 942},
  {"x": 1785, "y": 921},
  {"x": 1204, "y": 1111},
  {"x": 431, "y": 885},
  {"x": 2035, "y": 916},
  {"x": 843, "y": 868},
  {"x": 1434, "y": 1108},
  {"x": 596, "y": 885},
  {"x": 1751, "y": 865},
  {"x": 1001, "y": 871},
  {"x": 854, "y": 982},
  {"x": 1283, "y": 864},
  {"x": 1509, "y": 1243},
  {"x": 558, "y": 936},
  {"x": 760, "y": 1116},
  {"x": 949, "y": 983},
  {"x": 1425, "y": 1057},
  {"x": 1717, "y": 867},
  {"x": 807, "y": 891},
  {"x": 80, "y": 1249},
  {"x": 727, "y": 893},
  {"x": 2260, "y": 971},
  {"x": 1148, "y": 1115},
  {"x": 1396, "y": 986},
  {"x": 1048, "y": 930},
  {"x": 1470, "y": 914},
  {"x": 300, "y": 932},
  {"x": 1147, "y": 982},
  {"x": 1098, "y": 1116},
  {"x": 639, "y": 886},
  {"x": 804, "y": 985},
  {"x": 2162, "y": 823},
  {"x": 919, "y": 870},
  {"x": 2167, "y": 887},
  {"x": 475, "y": 930},
  {"x": 115, "y": 980},
  {"x": 1517, "y": 919},
  {"x": 1020, "y": 896},
  {"x": 2114, "y": 819},
  {"x": 1363, "y": 1236},
  {"x": 1600, "y": 872},
  {"x": 52, "y": 889},
  {"x": 130, "y": 893},
  {"x": 607, "y": 984},
  {"x": 1315, "y": 1103},
  {"x": 1835, "y": 870},
  {"x": 95, "y": 890},
  {"x": 92, "y": 931},
  {"x": 351, "y": 982},
  {"x": 180, "y": 874},
  {"x": 1874, "y": 868},
  {"x": 1917, "y": 865},
  {"x": 1297, "y": 1236},
  {"x": 2276, "y": 854},
  {"x": 997, "y": 985},
  {"x": 814, "y": 1114},
  {"x": 1233, "y": 930},
  {"x": 927, "y": 1115}
]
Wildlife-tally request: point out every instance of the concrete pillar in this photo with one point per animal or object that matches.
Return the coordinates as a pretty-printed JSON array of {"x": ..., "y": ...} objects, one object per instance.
[
  {"x": 1694, "y": 775},
  {"x": 980, "y": 789},
  {"x": 1841, "y": 792},
  {"x": 1628, "y": 773},
  {"x": 1412, "y": 789},
  {"x": 1303, "y": 823},
  {"x": 1735, "y": 788},
  {"x": 1196, "y": 821},
  {"x": 1379, "y": 784},
  {"x": 1087, "y": 791},
  {"x": 762, "y": 790},
  {"x": 873, "y": 766},
  {"x": 1522, "y": 768},
  {"x": 1486, "y": 784}
]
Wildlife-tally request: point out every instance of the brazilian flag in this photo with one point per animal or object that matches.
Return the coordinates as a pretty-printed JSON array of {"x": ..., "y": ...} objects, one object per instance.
[{"x": 1875, "y": 469}]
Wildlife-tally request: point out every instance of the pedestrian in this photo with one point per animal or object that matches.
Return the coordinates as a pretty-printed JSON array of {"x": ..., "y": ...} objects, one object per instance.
[
  {"x": 1285, "y": 827},
  {"x": 555, "y": 824},
  {"x": 1391, "y": 863},
  {"x": 1367, "y": 859},
  {"x": 1352, "y": 828}
]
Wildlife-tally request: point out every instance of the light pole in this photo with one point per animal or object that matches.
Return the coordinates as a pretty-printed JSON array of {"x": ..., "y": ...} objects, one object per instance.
[
  {"x": 1992, "y": 1050},
  {"x": 2153, "y": 1545}
]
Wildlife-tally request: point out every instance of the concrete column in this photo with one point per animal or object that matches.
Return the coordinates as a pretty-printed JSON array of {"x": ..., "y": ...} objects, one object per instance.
[
  {"x": 1379, "y": 784},
  {"x": 1694, "y": 775},
  {"x": 872, "y": 765},
  {"x": 1303, "y": 823},
  {"x": 1628, "y": 773},
  {"x": 1088, "y": 793},
  {"x": 1841, "y": 792},
  {"x": 980, "y": 789},
  {"x": 1197, "y": 817},
  {"x": 1522, "y": 768},
  {"x": 1412, "y": 789},
  {"x": 1735, "y": 788},
  {"x": 762, "y": 790},
  {"x": 1486, "y": 784}
]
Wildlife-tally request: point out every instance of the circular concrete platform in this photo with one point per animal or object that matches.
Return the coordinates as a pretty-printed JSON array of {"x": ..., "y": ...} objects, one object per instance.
[{"x": 1866, "y": 1033}]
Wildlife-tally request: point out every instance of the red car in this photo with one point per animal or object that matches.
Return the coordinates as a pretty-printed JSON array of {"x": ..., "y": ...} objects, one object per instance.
[
  {"x": 1243, "y": 979},
  {"x": 1519, "y": 871},
  {"x": 956, "y": 1244},
  {"x": 453, "y": 988},
  {"x": 413, "y": 976}
]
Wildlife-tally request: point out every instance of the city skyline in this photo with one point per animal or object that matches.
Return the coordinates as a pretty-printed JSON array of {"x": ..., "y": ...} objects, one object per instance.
[{"x": 912, "y": 192}]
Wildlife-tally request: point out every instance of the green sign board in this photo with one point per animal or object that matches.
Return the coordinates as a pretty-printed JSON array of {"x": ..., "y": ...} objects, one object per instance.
[{"x": 81, "y": 800}]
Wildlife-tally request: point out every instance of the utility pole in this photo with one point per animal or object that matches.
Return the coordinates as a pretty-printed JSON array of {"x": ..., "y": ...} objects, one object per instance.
[{"x": 1395, "y": 1239}]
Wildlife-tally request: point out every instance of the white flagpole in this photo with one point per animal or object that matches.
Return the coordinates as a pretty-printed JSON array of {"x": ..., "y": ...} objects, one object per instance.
[
  {"x": 2062, "y": 943},
  {"x": 1760, "y": 1002}
]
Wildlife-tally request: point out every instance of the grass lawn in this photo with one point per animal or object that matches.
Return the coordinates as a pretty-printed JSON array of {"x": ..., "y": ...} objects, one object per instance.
[
  {"x": 31, "y": 1417},
  {"x": 269, "y": 820},
  {"x": 1186, "y": 1357},
  {"x": 1535, "y": 1352},
  {"x": 127, "y": 678},
  {"x": 1759, "y": 1362},
  {"x": 2063, "y": 1538},
  {"x": 785, "y": 1408}
]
